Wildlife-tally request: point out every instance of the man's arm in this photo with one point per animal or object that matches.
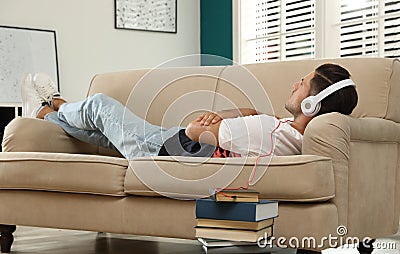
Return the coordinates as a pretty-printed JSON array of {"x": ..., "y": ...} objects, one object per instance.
[
  {"x": 205, "y": 128},
  {"x": 214, "y": 117},
  {"x": 203, "y": 133}
]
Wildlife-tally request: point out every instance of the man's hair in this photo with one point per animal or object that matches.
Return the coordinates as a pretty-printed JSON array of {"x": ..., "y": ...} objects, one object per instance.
[{"x": 343, "y": 100}]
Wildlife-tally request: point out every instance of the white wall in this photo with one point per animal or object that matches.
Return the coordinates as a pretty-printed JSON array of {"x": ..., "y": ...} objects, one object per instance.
[{"x": 88, "y": 43}]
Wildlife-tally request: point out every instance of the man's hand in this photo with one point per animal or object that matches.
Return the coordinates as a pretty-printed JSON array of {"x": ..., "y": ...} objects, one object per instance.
[{"x": 209, "y": 118}]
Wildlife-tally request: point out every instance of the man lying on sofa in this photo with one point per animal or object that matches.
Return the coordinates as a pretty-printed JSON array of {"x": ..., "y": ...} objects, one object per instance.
[{"x": 105, "y": 122}]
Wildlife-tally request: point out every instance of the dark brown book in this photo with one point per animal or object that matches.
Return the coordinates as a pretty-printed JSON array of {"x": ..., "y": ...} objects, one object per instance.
[{"x": 240, "y": 195}]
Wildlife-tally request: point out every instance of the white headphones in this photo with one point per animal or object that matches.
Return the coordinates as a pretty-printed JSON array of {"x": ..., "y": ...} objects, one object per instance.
[{"x": 312, "y": 104}]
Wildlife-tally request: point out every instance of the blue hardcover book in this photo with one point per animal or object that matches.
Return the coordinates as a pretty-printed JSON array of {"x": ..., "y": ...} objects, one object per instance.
[{"x": 241, "y": 211}]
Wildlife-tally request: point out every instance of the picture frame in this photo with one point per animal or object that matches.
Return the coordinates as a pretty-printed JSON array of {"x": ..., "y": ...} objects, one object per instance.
[
  {"x": 22, "y": 51},
  {"x": 146, "y": 15}
]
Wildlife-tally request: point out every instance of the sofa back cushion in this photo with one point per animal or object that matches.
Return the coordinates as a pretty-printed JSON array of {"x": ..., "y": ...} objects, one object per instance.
[
  {"x": 166, "y": 96},
  {"x": 377, "y": 81},
  {"x": 170, "y": 96}
]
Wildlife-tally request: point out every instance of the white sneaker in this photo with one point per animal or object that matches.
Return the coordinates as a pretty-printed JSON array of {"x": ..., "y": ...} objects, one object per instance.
[
  {"x": 45, "y": 87},
  {"x": 32, "y": 103}
]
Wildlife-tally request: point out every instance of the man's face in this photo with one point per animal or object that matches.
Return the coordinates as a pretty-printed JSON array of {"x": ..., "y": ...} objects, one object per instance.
[{"x": 301, "y": 90}]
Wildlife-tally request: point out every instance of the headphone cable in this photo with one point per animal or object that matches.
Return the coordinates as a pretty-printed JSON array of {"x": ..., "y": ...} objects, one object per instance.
[{"x": 254, "y": 170}]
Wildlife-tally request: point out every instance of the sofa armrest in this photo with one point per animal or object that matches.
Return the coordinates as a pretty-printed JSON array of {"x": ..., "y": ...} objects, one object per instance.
[
  {"x": 329, "y": 134},
  {"x": 364, "y": 153},
  {"x": 36, "y": 135},
  {"x": 374, "y": 130}
]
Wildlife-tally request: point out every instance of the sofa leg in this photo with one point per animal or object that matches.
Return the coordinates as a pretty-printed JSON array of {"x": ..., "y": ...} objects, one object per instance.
[{"x": 6, "y": 237}]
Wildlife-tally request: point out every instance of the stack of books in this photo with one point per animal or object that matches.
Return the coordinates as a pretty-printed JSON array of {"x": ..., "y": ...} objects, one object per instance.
[{"x": 235, "y": 216}]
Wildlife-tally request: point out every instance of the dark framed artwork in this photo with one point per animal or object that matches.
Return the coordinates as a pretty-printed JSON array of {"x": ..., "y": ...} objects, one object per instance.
[
  {"x": 146, "y": 15},
  {"x": 22, "y": 51}
]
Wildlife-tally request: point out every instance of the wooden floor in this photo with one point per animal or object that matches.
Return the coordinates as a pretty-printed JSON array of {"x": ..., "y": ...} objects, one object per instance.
[{"x": 29, "y": 240}]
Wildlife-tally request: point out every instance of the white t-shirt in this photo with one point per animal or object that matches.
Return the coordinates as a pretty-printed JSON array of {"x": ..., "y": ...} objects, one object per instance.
[{"x": 251, "y": 136}]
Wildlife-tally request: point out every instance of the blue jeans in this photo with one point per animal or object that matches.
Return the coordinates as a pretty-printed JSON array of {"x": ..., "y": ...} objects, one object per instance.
[{"x": 104, "y": 121}]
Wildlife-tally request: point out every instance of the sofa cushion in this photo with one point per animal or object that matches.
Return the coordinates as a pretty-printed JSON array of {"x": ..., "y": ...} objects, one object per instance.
[
  {"x": 63, "y": 173},
  {"x": 162, "y": 96},
  {"x": 45, "y": 136},
  {"x": 304, "y": 178},
  {"x": 376, "y": 83},
  {"x": 237, "y": 86}
]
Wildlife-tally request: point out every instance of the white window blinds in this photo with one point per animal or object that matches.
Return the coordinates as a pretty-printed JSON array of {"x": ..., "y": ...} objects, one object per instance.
[
  {"x": 392, "y": 29},
  {"x": 277, "y": 30},
  {"x": 370, "y": 27}
]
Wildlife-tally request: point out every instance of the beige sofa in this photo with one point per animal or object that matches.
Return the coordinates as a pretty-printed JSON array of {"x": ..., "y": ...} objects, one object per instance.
[{"x": 348, "y": 173}]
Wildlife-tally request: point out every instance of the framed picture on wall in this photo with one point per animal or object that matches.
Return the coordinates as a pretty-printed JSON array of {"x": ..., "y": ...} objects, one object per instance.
[
  {"x": 23, "y": 51},
  {"x": 146, "y": 15}
]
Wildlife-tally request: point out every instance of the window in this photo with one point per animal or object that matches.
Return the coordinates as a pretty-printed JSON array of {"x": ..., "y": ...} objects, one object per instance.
[
  {"x": 359, "y": 28},
  {"x": 392, "y": 29},
  {"x": 274, "y": 30},
  {"x": 278, "y": 29},
  {"x": 370, "y": 27}
]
